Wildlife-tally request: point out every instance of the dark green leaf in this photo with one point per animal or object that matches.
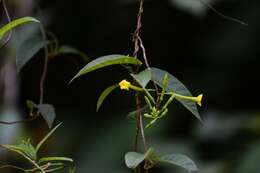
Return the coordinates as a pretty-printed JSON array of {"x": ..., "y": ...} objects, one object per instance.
[
  {"x": 70, "y": 50},
  {"x": 28, "y": 49},
  {"x": 143, "y": 77},
  {"x": 6, "y": 28},
  {"x": 180, "y": 160},
  {"x": 48, "y": 113},
  {"x": 106, "y": 61},
  {"x": 104, "y": 95},
  {"x": 174, "y": 85}
]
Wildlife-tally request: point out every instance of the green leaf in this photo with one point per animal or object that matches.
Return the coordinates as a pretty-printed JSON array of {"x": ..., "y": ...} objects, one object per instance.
[
  {"x": 54, "y": 159},
  {"x": 143, "y": 77},
  {"x": 6, "y": 28},
  {"x": 133, "y": 159},
  {"x": 104, "y": 95},
  {"x": 48, "y": 113},
  {"x": 28, "y": 49},
  {"x": 46, "y": 137},
  {"x": 179, "y": 160},
  {"x": 174, "y": 85},
  {"x": 107, "y": 61},
  {"x": 71, "y": 50},
  {"x": 25, "y": 147},
  {"x": 72, "y": 169}
]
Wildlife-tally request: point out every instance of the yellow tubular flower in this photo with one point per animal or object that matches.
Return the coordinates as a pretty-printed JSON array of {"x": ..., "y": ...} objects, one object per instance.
[
  {"x": 124, "y": 85},
  {"x": 199, "y": 98}
]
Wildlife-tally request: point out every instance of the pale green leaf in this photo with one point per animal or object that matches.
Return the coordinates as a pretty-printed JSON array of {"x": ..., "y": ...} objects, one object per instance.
[
  {"x": 133, "y": 159},
  {"x": 64, "y": 49},
  {"x": 28, "y": 49},
  {"x": 104, "y": 95},
  {"x": 48, "y": 113},
  {"x": 46, "y": 137},
  {"x": 174, "y": 85},
  {"x": 6, "y": 28},
  {"x": 180, "y": 160},
  {"x": 25, "y": 147},
  {"x": 143, "y": 77},
  {"x": 107, "y": 61},
  {"x": 54, "y": 159}
]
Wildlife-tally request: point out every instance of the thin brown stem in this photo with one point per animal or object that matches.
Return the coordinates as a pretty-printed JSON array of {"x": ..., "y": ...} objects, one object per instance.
[{"x": 45, "y": 66}]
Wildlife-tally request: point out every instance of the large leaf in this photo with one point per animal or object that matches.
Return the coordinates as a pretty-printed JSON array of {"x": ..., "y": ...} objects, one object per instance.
[
  {"x": 143, "y": 77},
  {"x": 6, "y": 28},
  {"x": 71, "y": 50},
  {"x": 104, "y": 95},
  {"x": 174, "y": 85},
  {"x": 28, "y": 49},
  {"x": 48, "y": 113},
  {"x": 180, "y": 160},
  {"x": 107, "y": 61}
]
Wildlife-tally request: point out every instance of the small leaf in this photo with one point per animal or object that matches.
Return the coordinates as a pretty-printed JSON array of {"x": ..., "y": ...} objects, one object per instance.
[
  {"x": 179, "y": 160},
  {"x": 104, "y": 94},
  {"x": 107, "y": 61},
  {"x": 54, "y": 159},
  {"x": 48, "y": 113},
  {"x": 46, "y": 137},
  {"x": 133, "y": 159},
  {"x": 71, "y": 50},
  {"x": 143, "y": 77},
  {"x": 174, "y": 85},
  {"x": 25, "y": 147},
  {"x": 28, "y": 49},
  {"x": 6, "y": 28}
]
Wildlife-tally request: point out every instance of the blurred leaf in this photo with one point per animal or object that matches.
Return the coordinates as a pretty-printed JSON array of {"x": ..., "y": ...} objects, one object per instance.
[
  {"x": 28, "y": 49},
  {"x": 179, "y": 160},
  {"x": 25, "y": 147},
  {"x": 72, "y": 169},
  {"x": 106, "y": 61},
  {"x": 6, "y": 28},
  {"x": 143, "y": 77},
  {"x": 54, "y": 159},
  {"x": 174, "y": 85},
  {"x": 46, "y": 137},
  {"x": 48, "y": 113},
  {"x": 196, "y": 7},
  {"x": 64, "y": 49},
  {"x": 104, "y": 95}
]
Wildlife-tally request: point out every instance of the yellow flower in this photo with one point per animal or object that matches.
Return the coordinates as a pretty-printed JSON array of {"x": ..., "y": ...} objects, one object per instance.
[
  {"x": 198, "y": 99},
  {"x": 124, "y": 85}
]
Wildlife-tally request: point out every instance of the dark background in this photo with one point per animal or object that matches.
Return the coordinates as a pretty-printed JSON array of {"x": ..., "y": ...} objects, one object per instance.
[{"x": 209, "y": 54}]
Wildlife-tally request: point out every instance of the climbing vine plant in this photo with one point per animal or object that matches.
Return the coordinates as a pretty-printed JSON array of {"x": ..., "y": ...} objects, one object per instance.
[{"x": 152, "y": 87}]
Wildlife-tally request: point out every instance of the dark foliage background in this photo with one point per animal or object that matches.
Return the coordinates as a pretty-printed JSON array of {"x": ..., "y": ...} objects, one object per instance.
[{"x": 208, "y": 53}]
